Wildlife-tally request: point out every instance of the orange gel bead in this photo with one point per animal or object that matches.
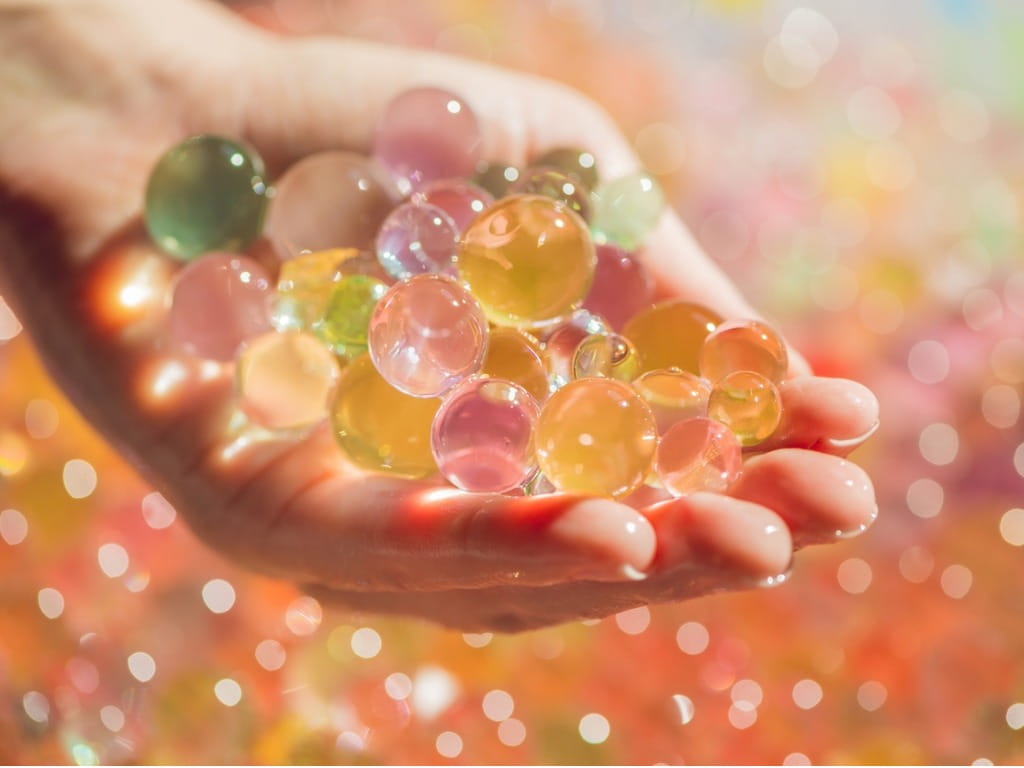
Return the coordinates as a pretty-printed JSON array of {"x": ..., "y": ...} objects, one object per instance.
[
  {"x": 517, "y": 357},
  {"x": 747, "y": 403},
  {"x": 670, "y": 335},
  {"x": 744, "y": 345},
  {"x": 698, "y": 455},
  {"x": 673, "y": 395},
  {"x": 606, "y": 355}
]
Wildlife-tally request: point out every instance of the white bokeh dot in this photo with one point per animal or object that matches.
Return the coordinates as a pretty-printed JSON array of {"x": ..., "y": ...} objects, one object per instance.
[
  {"x": 1000, "y": 405},
  {"x": 113, "y": 559},
  {"x": 270, "y": 654},
  {"x": 916, "y": 564},
  {"x": 1015, "y": 716},
  {"x": 684, "y": 707},
  {"x": 871, "y": 695},
  {"x": 939, "y": 444},
  {"x": 398, "y": 686},
  {"x": 498, "y": 705},
  {"x": 928, "y": 361},
  {"x": 594, "y": 728},
  {"x": 1018, "y": 459},
  {"x": 807, "y": 694},
  {"x": 747, "y": 690},
  {"x": 13, "y": 527},
  {"x": 692, "y": 638},
  {"x": 477, "y": 639},
  {"x": 227, "y": 691},
  {"x": 448, "y": 744},
  {"x": 634, "y": 621},
  {"x": 37, "y": 706},
  {"x": 303, "y": 616},
  {"x": 79, "y": 478},
  {"x": 1011, "y": 527},
  {"x": 925, "y": 497},
  {"x": 956, "y": 581},
  {"x": 41, "y": 419},
  {"x": 366, "y": 643},
  {"x": 511, "y": 732},
  {"x": 142, "y": 666},
  {"x": 434, "y": 689},
  {"x": 51, "y": 602},
  {"x": 854, "y": 575},
  {"x": 796, "y": 758},
  {"x": 741, "y": 716},
  {"x": 112, "y": 718},
  {"x": 157, "y": 511},
  {"x": 218, "y": 595}
]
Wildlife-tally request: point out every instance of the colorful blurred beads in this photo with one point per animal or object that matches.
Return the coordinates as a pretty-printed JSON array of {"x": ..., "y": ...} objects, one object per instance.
[
  {"x": 304, "y": 285},
  {"x": 576, "y": 163},
  {"x": 552, "y": 183},
  {"x": 329, "y": 200},
  {"x": 517, "y": 357},
  {"x": 673, "y": 395},
  {"x": 482, "y": 436},
  {"x": 285, "y": 380},
  {"x": 698, "y": 455},
  {"x": 462, "y": 200},
  {"x": 380, "y": 428},
  {"x": 596, "y": 436},
  {"x": 347, "y": 314},
  {"x": 627, "y": 209},
  {"x": 219, "y": 301},
  {"x": 622, "y": 286},
  {"x": 670, "y": 335},
  {"x": 605, "y": 355},
  {"x": 747, "y": 403},
  {"x": 417, "y": 239},
  {"x": 496, "y": 178},
  {"x": 426, "y": 335},
  {"x": 205, "y": 194},
  {"x": 527, "y": 259},
  {"x": 427, "y": 134},
  {"x": 744, "y": 345}
]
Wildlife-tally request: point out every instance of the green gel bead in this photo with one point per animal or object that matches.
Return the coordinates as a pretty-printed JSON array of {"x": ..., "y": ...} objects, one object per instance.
[
  {"x": 207, "y": 193},
  {"x": 571, "y": 161},
  {"x": 627, "y": 209},
  {"x": 347, "y": 316}
]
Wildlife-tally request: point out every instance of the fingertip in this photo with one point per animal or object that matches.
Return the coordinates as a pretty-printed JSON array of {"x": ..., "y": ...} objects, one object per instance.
[{"x": 617, "y": 539}]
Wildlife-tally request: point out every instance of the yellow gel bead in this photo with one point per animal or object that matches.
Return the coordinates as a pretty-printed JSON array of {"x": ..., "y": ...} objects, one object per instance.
[
  {"x": 744, "y": 345},
  {"x": 670, "y": 335},
  {"x": 380, "y": 428},
  {"x": 609, "y": 356},
  {"x": 527, "y": 259},
  {"x": 673, "y": 395},
  {"x": 596, "y": 436},
  {"x": 304, "y": 286},
  {"x": 517, "y": 357},
  {"x": 747, "y": 403}
]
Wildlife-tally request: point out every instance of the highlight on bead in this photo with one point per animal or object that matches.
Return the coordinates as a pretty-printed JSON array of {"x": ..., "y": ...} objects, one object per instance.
[
  {"x": 744, "y": 345},
  {"x": 748, "y": 403},
  {"x": 606, "y": 355},
  {"x": 673, "y": 395}
]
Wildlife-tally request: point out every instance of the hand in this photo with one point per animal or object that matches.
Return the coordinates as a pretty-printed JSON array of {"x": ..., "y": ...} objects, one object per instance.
[{"x": 93, "y": 91}]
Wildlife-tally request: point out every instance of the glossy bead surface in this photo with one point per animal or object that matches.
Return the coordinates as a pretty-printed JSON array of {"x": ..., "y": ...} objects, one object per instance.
[
  {"x": 517, "y": 357},
  {"x": 380, "y": 428},
  {"x": 219, "y": 301},
  {"x": 698, "y": 455},
  {"x": 285, "y": 380},
  {"x": 670, "y": 335},
  {"x": 605, "y": 355},
  {"x": 329, "y": 200},
  {"x": 482, "y": 436},
  {"x": 425, "y": 134},
  {"x": 553, "y": 183},
  {"x": 462, "y": 200},
  {"x": 417, "y": 239},
  {"x": 596, "y": 436},
  {"x": 304, "y": 285},
  {"x": 627, "y": 209},
  {"x": 673, "y": 395},
  {"x": 426, "y": 335},
  {"x": 346, "y": 317},
  {"x": 527, "y": 259},
  {"x": 205, "y": 194},
  {"x": 572, "y": 161},
  {"x": 748, "y": 403},
  {"x": 744, "y": 345},
  {"x": 561, "y": 343},
  {"x": 622, "y": 286}
]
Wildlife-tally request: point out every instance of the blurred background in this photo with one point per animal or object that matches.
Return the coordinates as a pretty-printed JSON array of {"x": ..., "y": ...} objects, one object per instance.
[{"x": 859, "y": 169}]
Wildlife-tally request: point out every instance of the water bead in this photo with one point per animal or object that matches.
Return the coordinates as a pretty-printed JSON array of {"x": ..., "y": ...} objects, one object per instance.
[
  {"x": 627, "y": 209},
  {"x": 622, "y": 286},
  {"x": 698, "y": 455},
  {"x": 527, "y": 259},
  {"x": 496, "y": 178},
  {"x": 417, "y": 239},
  {"x": 329, "y": 200},
  {"x": 670, "y": 335},
  {"x": 426, "y": 335},
  {"x": 482, "y": 436},
  {"x": 304, "y": 285},
  {"x": 285, "y": 380},
  {"x": 596, "y": 436},
  {"x": 673, "y": 395},
  {"x": 578, "y": 163},
  {"x": 219, "y": 301},
  {"x": 517, "y": 357},
  {"x": 380, "y": 428},
  {"x": 747, "y": 403},
  {"x": 605, "y": 355},
  {"x": 561, "y": 343},
  {"x": 207, "y": 193},
  {"x": 347, "y": 314},
  {"x": 462, "y": 200},
  {"x": 552, "y": 183},
  {"x": 425, "y": 134},
  {"x": 744, "y": 345}
]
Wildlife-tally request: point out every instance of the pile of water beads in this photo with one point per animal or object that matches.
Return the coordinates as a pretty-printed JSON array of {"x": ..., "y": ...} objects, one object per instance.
[{"x": 486, "y": 322}]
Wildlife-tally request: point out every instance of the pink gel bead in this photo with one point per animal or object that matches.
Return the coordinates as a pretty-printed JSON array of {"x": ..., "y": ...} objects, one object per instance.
[
  {"x": 622, "y": 286},
  {"x": 417, "y": 239},
  {"x": 460, "y": 199},
  {"x": 426, "y": 335},
  {"x": 219, "y": 301},
  {"x": 482, "y": 436},
  {"x": 427, "y": 134},
  {"x": 698, "y": 455}
]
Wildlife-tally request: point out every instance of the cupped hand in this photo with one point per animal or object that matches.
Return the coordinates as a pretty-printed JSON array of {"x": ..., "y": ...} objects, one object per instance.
[{"x": 93, "y": 91}]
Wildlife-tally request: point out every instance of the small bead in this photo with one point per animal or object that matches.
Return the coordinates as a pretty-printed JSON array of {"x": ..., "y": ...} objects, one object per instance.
[
  {"x": 561, "y": 343},
  {"x": 578, "y": 163},
  {"x": 673, "y": 395},
  {"x": 622, "y": 286},
  {"x": 496, "y": 178},
  {"x": 304, "y": 286},
  {"x": 417, "y": 239},
  {"x": 627, "y": 209},
  {"x": 556, "y": 185},
  {"x": 747, "y": 403},
  {"x": 347, "y": 314},
  {"x": 462, "y": 200},
  {"x": 744, "y": 345},
  {"x": 698, "y": 455},
  {"x": 606, "y": 355}
]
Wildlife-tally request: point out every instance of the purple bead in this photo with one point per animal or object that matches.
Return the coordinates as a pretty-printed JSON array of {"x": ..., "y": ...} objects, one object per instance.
[
  {"x": 427, "y": 134},
  {"x": 460, "y": 199},
  {"x": 621, "y": 288},
  {"x": 417, "y": 239},
  {"x": 426, "y": 335},
  {"x": 219, "y": 301},
  {"x": 482, "y": 436}
]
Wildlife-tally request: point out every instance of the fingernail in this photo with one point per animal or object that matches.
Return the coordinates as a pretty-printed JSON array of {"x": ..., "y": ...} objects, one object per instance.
[{"x": 851, "y": 442}]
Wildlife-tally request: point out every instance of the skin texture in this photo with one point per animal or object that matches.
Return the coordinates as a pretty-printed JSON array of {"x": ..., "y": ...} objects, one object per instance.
[{"x": 93, "y": 91}]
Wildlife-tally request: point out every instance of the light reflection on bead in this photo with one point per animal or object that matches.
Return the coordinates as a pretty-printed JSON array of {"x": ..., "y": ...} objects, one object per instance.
[
  {"x": 516, "y": 356},
  {"x": 698, "y": 455},
  {"x": 673, "y": 395},
  {"x": 605, "y": 355},
  {"x": 744, "y": 345},
  {"x": 573, "y": 162},
  {"x": 496, "y": 178},
  {"x": 747, "y": 403},
  {"x": 553, "y": 183}
]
